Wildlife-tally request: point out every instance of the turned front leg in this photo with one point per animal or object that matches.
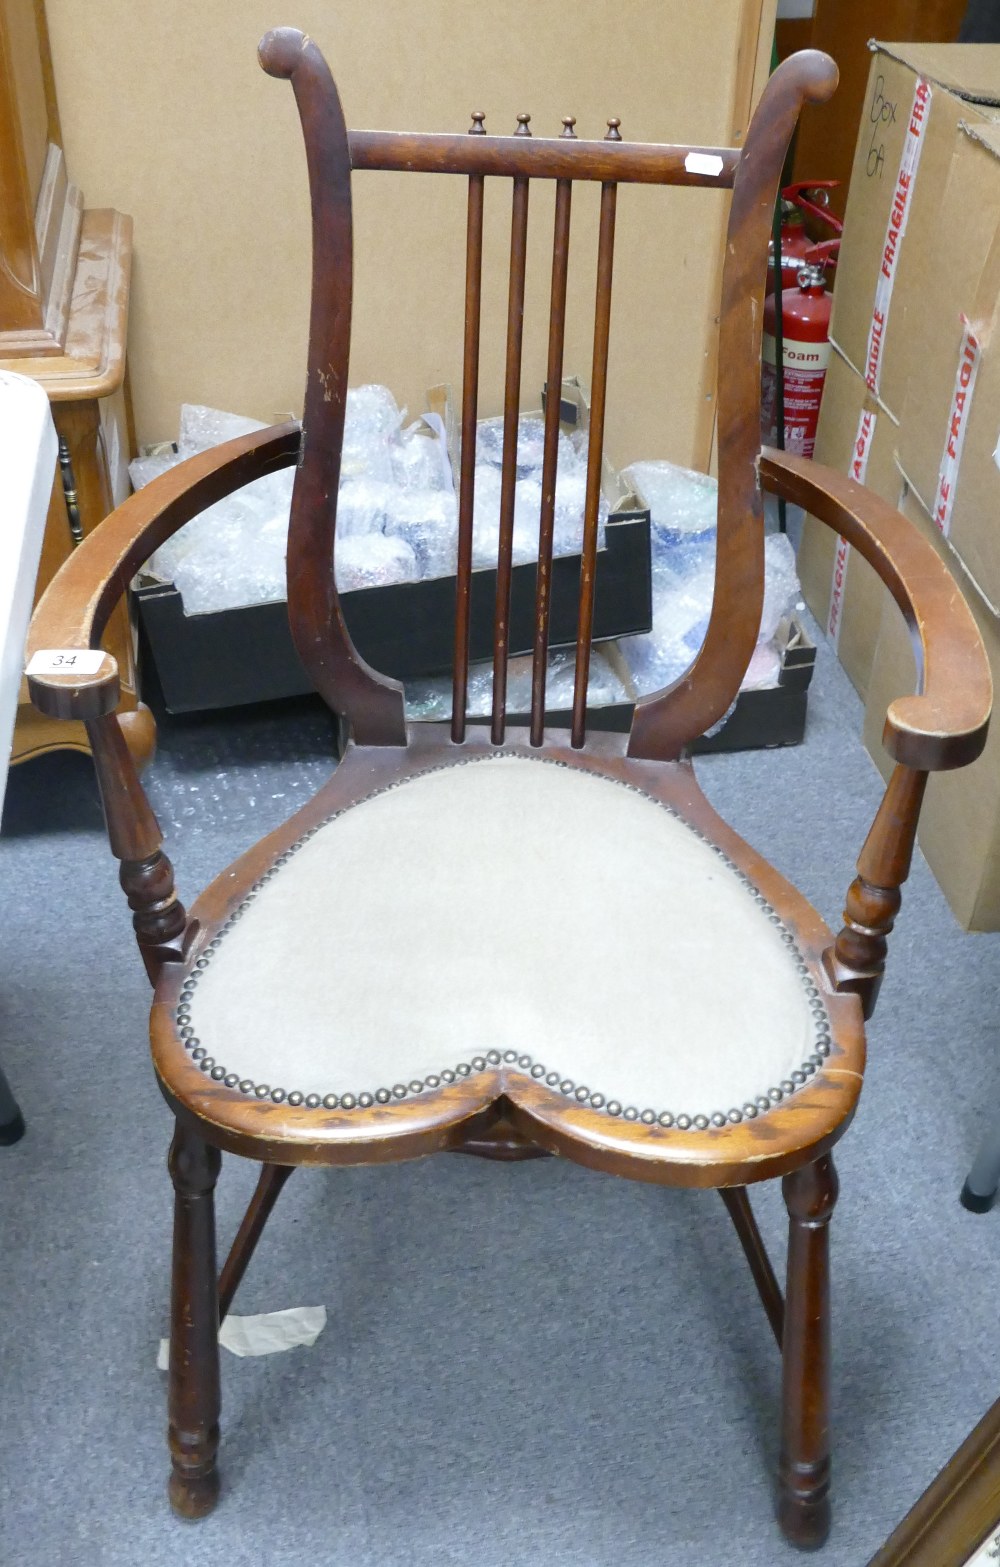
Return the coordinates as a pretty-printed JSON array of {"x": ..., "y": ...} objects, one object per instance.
[
  {"x": 804, "y": 1466},
  {"x": 194, "y": 1397}
]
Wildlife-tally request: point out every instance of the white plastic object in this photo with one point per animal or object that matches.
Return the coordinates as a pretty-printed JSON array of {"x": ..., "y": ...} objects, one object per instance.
[{"x": 28, "y": 451}]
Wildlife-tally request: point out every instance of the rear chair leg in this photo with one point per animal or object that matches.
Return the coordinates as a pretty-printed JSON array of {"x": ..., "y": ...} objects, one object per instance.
[
  {"x": 193, "y": 1397},
  {"x": 804, "y": 1466},
  {"x": 269, "y": 1186}
]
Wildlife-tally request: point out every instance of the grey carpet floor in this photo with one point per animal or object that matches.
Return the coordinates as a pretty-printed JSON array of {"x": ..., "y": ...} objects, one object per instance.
[{"x": 522, "y": 1364}]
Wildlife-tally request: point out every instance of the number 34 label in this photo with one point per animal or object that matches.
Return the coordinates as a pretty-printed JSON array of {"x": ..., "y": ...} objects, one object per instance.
[{"x": 66, "y": 661}]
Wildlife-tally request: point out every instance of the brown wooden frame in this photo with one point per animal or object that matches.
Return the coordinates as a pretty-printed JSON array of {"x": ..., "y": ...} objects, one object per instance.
[
  {"x": 958, "y": 1511},
  {"x": 499, "y": 1113}
]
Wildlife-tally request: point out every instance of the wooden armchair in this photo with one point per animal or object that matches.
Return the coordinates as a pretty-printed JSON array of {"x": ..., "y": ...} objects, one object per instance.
[{"x": 655, "y": 1001}]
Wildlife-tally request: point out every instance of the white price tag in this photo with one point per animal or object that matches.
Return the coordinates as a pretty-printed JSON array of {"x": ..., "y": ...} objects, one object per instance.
[
  {"x": 703, "y": 163},
  {"x": 66, "y": 661}
]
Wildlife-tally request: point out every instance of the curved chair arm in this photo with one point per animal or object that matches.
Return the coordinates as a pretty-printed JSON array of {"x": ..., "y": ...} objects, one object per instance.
[
  {"x": 944, "y": 726},
  {"x": 74, "y": 609}
]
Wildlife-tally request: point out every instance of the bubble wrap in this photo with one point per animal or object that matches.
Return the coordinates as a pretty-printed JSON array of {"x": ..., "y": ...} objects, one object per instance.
[
  {"x": 362, "y": 506},
  {"x": 396, "y": 483},
  {"x": 373, "y": 561},
  {"x": 420, "y": 460},
  {"x": 428, "y": 521},
  {"x": 530, "y": 446},
  {"x": 781, "y": 583},
  {"x": 567, "y": 533},
  {"x": 431, "y": 699},
  {"x": 203, "y": 427},
  {"x": 237, "y": 557},
  {"x": 683, "y": 541},
  {"x": 682, "y": 503},
  {"x": 371, "y": 424}
]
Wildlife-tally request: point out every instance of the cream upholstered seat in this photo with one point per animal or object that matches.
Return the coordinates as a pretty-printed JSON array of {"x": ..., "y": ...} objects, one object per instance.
[{"x": 507, "y": 910}]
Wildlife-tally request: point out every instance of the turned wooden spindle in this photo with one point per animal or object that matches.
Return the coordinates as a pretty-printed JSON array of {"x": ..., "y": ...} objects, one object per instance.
[
  {"x": 523, "y": 122},
  {"x": 568, "y": 123},
  {"x": 810, "y": 1195},
  {"x": 193, "y": 1389},
  {"x": 613, "y": 133},
  {"x": 477, "y": 128},
  {"x": 856, "y": 961},
  {"x": 147, "y": 877}
]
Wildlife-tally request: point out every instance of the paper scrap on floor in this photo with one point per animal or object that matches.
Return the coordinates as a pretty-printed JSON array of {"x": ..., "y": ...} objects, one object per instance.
[{"x": 268, "y": 1333}]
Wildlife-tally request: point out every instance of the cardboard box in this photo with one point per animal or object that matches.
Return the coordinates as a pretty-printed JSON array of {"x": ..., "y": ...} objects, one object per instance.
[
  {"x": 959, "y": 830},
  {"x": 951, "y": 415},
  {"x": 918, "y": 95},
  {"x": 856, "y": 435}
]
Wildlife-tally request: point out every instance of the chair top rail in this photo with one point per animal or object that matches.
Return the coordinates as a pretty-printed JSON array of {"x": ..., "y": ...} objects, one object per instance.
[{"x": 543, "y": 157}]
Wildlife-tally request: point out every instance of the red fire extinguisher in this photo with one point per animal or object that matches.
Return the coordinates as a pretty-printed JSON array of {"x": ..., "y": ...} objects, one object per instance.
[
  {"x": 805, "y": 311},
  {"x": 795, "y": 242}
]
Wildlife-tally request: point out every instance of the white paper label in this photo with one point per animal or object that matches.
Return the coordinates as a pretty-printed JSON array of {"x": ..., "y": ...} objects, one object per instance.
[
  {"x": 898, "y": 214},
  {"x": 268, "y": 1333},
  {"x": 958, "y": 422},
  {"x": 703, "y": 163},
  {"x": 66, "y": 661},
  {"x": 856, "y": 468}
]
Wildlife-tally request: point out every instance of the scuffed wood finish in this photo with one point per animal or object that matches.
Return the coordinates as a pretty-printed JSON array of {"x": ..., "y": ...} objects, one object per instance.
[
  {"x": 945, "y": 725},
  {"x": 372, "y": 704},
  {"x": 804, "y": 1465},
  {"x": 668, "y": 720},
  {"x": 958, "y": 1511}
]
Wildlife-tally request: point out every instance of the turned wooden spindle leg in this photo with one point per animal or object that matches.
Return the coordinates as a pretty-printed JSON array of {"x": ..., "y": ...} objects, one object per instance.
[
  {"x": 158, "y": 916},
  {"x": 146, "y": 874},
  {"x": 194, "y": 1397},
  {"x": 856, "y": 961},
  {"x": 804, "y": 1465}
]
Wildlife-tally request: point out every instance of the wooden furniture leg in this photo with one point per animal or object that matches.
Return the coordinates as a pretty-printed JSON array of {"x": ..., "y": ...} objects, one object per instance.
[
  {"x": 194, "y": 1397},
  {"x": 737, "y": 1201},
  {"x": 269, "y": 1186},
  {"x": 804, "y": 1466}
]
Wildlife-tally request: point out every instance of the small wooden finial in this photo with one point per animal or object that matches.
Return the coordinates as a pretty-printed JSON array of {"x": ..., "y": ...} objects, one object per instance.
[
  {"x": 477, "y": 128},
  {"x": 614, "y": 134},
  {"x": 523, "y": 121},
  {"x": 569, "y": 120}
]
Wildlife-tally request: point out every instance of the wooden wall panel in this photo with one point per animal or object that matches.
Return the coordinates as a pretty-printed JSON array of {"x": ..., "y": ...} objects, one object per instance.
[{"x": 204, "y": 152}]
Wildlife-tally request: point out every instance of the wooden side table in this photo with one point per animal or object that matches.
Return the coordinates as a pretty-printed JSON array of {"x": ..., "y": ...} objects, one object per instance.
[{"x": 88, "y": 391}]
